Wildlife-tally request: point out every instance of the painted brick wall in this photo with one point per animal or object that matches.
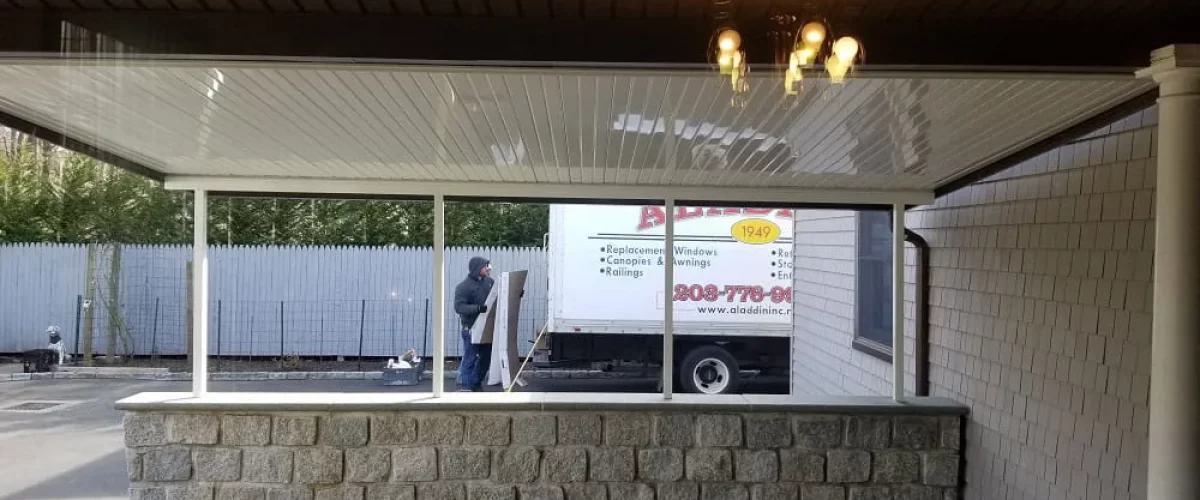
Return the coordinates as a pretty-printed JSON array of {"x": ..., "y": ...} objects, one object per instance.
[{"x": 1040, "y": 317}]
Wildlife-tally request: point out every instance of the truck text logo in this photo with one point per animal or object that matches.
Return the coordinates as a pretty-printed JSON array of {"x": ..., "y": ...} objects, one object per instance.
[{"x": 655, "y": 216}]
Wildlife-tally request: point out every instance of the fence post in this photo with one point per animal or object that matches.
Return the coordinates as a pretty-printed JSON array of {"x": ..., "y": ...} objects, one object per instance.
[
  {"x": 218, "y": 358},
  {"x": 425, "y": 332},
  {"x": 154, "y": 332},
  {"x": 362, "y": 318},
  {"x": 281, "y": 330},
  {"x": 78, "y": 322}
]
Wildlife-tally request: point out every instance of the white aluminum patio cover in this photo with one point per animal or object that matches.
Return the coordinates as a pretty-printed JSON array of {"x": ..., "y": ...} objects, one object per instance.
[{"x": 274, "y": 126}]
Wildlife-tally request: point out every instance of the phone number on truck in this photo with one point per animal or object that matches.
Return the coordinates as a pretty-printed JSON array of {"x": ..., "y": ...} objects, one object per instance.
[{"x": 732, "y": 293}]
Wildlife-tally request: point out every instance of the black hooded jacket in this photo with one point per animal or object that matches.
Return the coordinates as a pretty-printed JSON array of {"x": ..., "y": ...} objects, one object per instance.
[{"x": 469, "y": 296}]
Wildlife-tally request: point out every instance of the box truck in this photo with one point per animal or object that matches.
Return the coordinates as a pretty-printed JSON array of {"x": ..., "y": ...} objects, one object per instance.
[{"x": 732, "y": 294}]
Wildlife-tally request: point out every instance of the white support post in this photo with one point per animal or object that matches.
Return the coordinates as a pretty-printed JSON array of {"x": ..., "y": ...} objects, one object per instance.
[
  {"x": 199, "y": 293},
  {"x": 898, "y": 302},
  {"x": 1173, "y": 459},
  {"x": 439, "y": 295},
  {"x": 668, "y": 368}
]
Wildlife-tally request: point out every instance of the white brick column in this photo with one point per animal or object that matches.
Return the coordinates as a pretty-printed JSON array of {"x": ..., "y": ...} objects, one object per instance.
[{"x": 1174, "y": 455}]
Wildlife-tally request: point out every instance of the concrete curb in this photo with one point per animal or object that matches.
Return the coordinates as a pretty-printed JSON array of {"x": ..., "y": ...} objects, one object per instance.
[{"x": 162, "y": 375}]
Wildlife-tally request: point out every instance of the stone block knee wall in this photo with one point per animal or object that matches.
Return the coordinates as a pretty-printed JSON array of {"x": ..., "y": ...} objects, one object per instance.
[{"x": 424, "y": 455}]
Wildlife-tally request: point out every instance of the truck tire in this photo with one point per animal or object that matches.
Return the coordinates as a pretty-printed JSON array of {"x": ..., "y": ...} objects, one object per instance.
[{"x": 709, "y": 369}]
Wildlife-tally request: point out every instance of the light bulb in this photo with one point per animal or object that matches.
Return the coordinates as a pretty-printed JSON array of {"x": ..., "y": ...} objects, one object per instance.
[
  {"x": 725, "y": 62},
  {"x": 813, "y": 32},
  {"x": 805, "y": 56},
  {"x": 846, "y": 48},
  {"x": 729, "y": 40},
  {"x": 836, "y": 68}
]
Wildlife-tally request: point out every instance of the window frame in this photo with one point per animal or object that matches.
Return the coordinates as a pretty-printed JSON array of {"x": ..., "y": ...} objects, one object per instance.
[{"x": 864, "y": 343}]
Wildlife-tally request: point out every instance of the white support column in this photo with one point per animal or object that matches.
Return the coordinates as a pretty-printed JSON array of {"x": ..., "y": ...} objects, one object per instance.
[
  {"x": 439, "y": 295},
  {"x": 668, "y": 369},
  {"x": 1174, "y": 454},
  {"x": 898, "y": 302},
  {"x": 199, "y": 293}
]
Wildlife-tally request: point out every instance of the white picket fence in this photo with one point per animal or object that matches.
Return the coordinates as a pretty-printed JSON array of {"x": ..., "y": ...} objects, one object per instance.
[{"x": 264, "y": 300}]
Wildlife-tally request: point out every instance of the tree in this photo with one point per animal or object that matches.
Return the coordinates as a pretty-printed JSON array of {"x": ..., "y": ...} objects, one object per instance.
[{"x": 48, "y": 194}]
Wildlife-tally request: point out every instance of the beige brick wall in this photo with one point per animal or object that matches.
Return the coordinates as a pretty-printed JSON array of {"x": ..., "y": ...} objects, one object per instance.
[{"x": 1040, "y": 316}]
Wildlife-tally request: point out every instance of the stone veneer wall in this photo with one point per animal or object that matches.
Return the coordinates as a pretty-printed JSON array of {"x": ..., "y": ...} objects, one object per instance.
[{"x": 479, "y": 455}]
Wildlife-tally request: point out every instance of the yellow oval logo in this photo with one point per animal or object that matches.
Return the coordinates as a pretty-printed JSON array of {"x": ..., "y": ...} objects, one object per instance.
[{"x": 755, "y": 231}]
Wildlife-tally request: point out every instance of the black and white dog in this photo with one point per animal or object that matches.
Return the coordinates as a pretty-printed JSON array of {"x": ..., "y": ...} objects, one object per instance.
[{"x": 44, "y": 360}]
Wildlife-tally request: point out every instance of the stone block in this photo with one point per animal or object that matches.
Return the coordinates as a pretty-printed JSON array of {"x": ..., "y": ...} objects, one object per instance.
[
  {"x": 441, "y": 491},
  {"x": 540, "y": 492},
  {"x": 145, "y": 430},
  {"x": 518, "y": 464},
  {"x": 368, "y": 465},
  {"x": 869, "y": 433},
  {"x": 193, "y": 428},
  {"x": 133, "y": 465},
  {"x": 294, "y": 430},
  {"x": 660, "y": 464},
  {"x": 916, "y": 433},
  {"x": 491, "y": 492},
  {"x": 241, "y": 492},
  {"x": 267, "y": 465},
  {"x": 848, "y": 466},
  {"x": 940, "y": 469},
  {"x": 167, "y": 464},
  {"x": 822, "y": 492},
  {"x": 951, "y": 432},
  {"x": 318, "y": 465},
  {"x": 916, "y": 492},
  {"x": 218, "y": 464},
  {"x": 343, "y": 430},
  {"x": 801, "y": 466},
  {"x": 190, "y": 492},
  {"x": 870, "y": 493},
  {"x": 774, "y": 491},
  {"x": 579, "y": 429},
  {"x": 391, "y": 491},
  {"x": 151, "y": 494},
  {"x": 464, "y": 463},
  {"x": 724, "y": 491},
  {"x": 414, "y": 464},
  {"x": 678, "y": 491},
  {"x": 612, "y": 464},
  {"x": 627, "y": 429},
  {"x": 756, "y": 466},
  {"x": 719, "y": 430},
  {"x": 246, "y": 430},
  {"x": 817, "y": 432},
  {"x": 564, "y": 465},
  {"x": 709, "y": 464},
  {"x": 535, "y": 430},
  {"x": 585, "y": 491},
  {"x": 896, "y": 467},
  {"x": 393, "y": 429},
  {"x": 675, "y": 431},
  {"x": 290, "y": 493},
  {"x": 488, "y": 430},
  {"x": 768, "y": 431},
  {"x": 630, "y": 491},
  {"x": 339, "y": 492},
  {"x": 440, "y": 430}
]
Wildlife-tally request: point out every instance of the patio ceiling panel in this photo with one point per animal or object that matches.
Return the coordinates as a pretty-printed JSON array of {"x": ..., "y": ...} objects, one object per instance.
[{"x": 651, "y": 129}]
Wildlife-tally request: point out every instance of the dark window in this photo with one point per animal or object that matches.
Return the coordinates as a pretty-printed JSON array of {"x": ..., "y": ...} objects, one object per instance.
[{"x": 873, "y": 285}]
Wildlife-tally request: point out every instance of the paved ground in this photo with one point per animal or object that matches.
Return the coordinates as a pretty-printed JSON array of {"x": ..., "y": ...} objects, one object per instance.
[{"x": 77, "y": 451}]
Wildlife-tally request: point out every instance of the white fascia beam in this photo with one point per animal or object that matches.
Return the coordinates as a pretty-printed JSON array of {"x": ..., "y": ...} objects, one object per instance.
[{"x": 763, "y": 195}]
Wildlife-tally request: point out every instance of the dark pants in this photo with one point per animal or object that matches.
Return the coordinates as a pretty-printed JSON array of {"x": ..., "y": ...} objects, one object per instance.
[{"x": 476, "y": 361}]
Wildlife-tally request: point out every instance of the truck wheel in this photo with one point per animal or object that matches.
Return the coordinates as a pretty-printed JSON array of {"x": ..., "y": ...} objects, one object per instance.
[{"x": 709, "y": 370}]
